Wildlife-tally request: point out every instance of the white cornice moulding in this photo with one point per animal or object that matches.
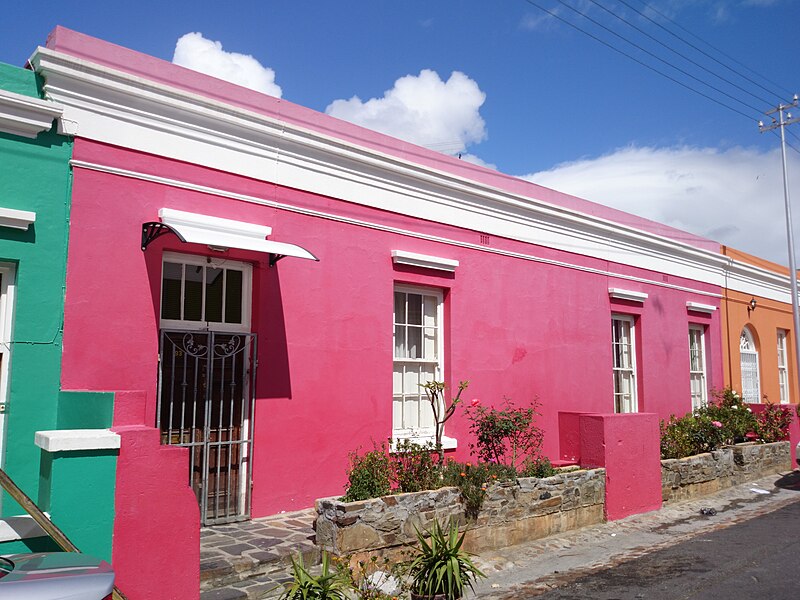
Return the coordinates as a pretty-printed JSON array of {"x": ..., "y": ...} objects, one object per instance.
[
  {"x": 25, "y": 116},
  {"x": 16, "y": 219},
  {"x": 629, "y": 295},
  {"x": 132, "y": 112},
  {"x": 375, "y": 226},
  {"x": 65, "y": 440},
  {"x": 698, "y": 307},
  {"x": 401, "y": 257}
]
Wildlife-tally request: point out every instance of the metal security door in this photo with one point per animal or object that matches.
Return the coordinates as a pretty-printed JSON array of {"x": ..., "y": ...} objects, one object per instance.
[{"x": 206, "y": 382}]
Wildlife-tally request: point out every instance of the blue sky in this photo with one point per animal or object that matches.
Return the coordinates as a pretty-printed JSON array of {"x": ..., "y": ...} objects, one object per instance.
[{"x": 531, "y": 96}]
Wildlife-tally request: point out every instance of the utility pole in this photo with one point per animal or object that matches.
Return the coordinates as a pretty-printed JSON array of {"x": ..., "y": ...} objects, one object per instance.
[{"x": 784, "y": 119}]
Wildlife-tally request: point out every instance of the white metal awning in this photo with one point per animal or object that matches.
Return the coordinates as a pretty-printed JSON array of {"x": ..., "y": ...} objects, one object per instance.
[{"x": 219, "y": 234}]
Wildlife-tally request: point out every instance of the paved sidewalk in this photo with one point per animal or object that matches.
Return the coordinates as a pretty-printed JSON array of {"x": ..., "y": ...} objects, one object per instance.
[
  {"x": 253, "y": 559},
  {"x": 547, "y": 563}
]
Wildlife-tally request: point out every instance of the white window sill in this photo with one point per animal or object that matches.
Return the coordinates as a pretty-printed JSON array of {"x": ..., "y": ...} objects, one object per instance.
[{"x": 448, "y": 443}]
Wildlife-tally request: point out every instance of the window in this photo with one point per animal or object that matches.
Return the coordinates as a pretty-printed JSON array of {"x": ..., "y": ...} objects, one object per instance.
[
  {"x": 697, "y": 366},
  {"x": 418, "y": 348},
  {"x": 783, "y": 374},
  {"x": 205, "y": 293},
  {"x": 748, "y": 358},
  {"x": 624, "y": 350}
]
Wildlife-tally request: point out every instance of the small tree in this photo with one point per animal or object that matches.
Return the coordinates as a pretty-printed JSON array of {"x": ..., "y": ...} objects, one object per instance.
[
  {"x": 442, "y": 411},
  {"x": 508, "y": 436}
]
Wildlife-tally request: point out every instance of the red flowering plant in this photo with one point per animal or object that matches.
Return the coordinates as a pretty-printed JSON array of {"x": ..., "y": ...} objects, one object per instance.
[{"x": 772, "y": 423}]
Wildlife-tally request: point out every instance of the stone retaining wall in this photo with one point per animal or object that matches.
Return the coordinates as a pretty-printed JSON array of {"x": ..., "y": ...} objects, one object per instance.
[
  {"x": 512, "y": 513},
  {"x": 693, "y": 476}
]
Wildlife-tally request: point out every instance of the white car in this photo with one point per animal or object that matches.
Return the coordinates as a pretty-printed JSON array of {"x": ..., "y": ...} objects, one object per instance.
[{"x": 55, "y": 576}]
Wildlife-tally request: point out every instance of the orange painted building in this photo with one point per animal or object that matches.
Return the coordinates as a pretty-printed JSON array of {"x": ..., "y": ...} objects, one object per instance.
[{"x": 757, "y": 342}]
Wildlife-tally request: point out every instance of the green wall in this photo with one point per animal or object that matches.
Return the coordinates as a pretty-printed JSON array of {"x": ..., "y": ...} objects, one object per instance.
[{"x": 35, "y": 176}]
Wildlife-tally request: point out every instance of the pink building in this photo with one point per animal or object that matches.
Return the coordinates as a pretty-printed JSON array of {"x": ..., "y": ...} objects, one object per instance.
[{"x": 263, "y": 287}]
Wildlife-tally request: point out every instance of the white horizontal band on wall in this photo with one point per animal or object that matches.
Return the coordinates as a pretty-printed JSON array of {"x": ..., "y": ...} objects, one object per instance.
[
  {"x": 65, "y": 440},
  {"x": 698, "y": 307},
  {"x": 401, "y": 257},
  {"x": 630, "y": 295}
]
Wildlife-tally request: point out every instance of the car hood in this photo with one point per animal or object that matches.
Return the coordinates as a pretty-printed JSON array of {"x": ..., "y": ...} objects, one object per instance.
[{"x": 56, "y": 576}]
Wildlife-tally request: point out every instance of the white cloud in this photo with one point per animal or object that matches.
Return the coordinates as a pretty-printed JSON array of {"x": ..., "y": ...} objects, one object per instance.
[
  {"x": 424, "y": 110},
  {"x": 733, "y": 196},
  {"x": 195, "y": 52}
]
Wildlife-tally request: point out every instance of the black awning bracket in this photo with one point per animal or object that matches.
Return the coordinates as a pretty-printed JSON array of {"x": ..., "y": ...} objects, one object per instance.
[
  {"x": 153, "y": 230},
  {"x": 274, "y": 258}
]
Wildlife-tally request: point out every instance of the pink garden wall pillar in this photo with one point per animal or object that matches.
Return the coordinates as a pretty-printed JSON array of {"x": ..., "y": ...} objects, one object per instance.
[
  {"x": 156, "y": 545},
  {"x": 627, "y": 446}
]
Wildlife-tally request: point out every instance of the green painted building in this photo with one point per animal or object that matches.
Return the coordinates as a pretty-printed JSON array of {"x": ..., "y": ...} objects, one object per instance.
[{"x": 55, "y": 445}]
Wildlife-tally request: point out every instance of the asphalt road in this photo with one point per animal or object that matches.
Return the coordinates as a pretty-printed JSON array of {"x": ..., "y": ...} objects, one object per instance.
[{"x": 755, "y": 560}]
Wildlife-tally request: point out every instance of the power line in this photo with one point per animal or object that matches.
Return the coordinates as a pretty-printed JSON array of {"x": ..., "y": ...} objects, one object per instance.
[
  {"x": 674, "y": 51},
  {"x": 658, "y": 58},
  {"x": 715, "y": 49},
  {"x": 636, "y": 60}
]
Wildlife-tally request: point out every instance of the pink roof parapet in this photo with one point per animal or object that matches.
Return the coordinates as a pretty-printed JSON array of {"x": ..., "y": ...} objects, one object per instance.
[{"x": 91, "y": 49}]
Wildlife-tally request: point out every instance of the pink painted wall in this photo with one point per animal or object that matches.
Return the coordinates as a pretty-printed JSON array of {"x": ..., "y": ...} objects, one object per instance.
[
  {"x": 514, "y": 328},
  {"x": 104, "y": 53},
  {"x": 152, "y": 498},
  {"x": 627, "y": 446}
]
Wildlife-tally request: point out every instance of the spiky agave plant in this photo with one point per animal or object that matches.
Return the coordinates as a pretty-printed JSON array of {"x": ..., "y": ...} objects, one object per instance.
[
  {"x": 440, "y": 565},
  {"x": 328, "y": 585}
]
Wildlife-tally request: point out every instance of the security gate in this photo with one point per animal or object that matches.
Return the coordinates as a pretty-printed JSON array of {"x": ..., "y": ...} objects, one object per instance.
[{"x": 206, "y": 390}]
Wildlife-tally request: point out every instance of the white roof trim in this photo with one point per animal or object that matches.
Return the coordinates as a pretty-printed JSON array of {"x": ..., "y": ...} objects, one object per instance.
[
  {"x": 227, "y": 233},
  {"x": 698, "y": 307},
  {"x": 16, "y": 219},
  {"x": 21, "y": 527},
  {"x": 60, "y": 440},
  {"x": 26, "y": 116},
  {"x": 401, "y": 257},
  {"x": 630, "y": 295}
]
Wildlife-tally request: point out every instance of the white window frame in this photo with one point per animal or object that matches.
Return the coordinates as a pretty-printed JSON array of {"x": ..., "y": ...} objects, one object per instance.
[
  {"x": 8, "y": 291},
  {"x": 783, "y": 369},
  {"x": 209, "y": 261},
  {"x": 419, "y": 435},
  {"x": 697, "y": 368},
  {"x": 630, "y": 371},
  {"x": 751, "y": 386}
]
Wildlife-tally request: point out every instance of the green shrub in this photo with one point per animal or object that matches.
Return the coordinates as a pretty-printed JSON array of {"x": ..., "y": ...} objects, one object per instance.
[
  {"x": 772, "y": 424},
  {"x": 691, "y": 434},
  {"x": 728, "y": 408},
  {"x": 414, "y": 468},
  {"x": 540, "y": 467},
  {"x": 369, "y": 475}
]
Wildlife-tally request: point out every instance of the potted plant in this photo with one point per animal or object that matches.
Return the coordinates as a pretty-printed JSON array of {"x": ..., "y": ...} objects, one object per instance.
[{"x": 440, "y": 569}]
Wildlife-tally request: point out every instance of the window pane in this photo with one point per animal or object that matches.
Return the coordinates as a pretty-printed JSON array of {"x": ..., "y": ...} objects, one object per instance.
[
  {"x": 397, "y": 411},
  {"x": 214, "y": 281},
  {"x": 399, "y": 307},
  {"x": 430, "y": 344},
  {"x": 193, "y": 293},
  {"x": 397, "y": 381},
  {"x": 410, "y": 414},
  {"x": 171, "y": 291},
  {"x": 411, "y": 382},
  {"x": 233, "y": 296},
  {"x": 414, "y": 309},
  {"x": 414, "y": 342},
  {"x": 400, "y": 342},
  {"x": 431, "y": 308}
]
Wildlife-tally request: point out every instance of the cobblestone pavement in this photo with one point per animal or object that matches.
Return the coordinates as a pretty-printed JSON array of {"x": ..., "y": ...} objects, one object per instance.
[
  {"x": 545, "y": 564},
  {"x": 253, "y": 559}
]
